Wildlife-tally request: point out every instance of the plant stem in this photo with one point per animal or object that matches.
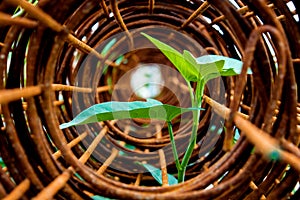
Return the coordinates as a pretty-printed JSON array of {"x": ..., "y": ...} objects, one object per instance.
[
  {"x": 181, "y": 168},
  {"x": 170, "y": 129},
  {"x": 196, "y": 102},
  {"x": 190, "y": 148},
  {"x": 181, "y": 174}
]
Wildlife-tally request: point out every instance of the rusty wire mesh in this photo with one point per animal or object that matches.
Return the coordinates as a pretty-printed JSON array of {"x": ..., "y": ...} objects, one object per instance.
[{"x": 42, "y": 49}]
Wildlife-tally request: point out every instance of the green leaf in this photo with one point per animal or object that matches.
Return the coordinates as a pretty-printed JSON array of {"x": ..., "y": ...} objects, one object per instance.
[
  {"x": 157, "y": 175},
  {"x": 151, "y": 109},
  {"x": 184, "y": 65},
  {"x": 97, "y": 197},
  {"x": 188, "y": 56},
  {"x": 188, "y": 65},
  {"x": 231, "y": 67},
  {"x": 211, "y": 70},
  {"x": 193, "y": 69},
  {"x": 207, "y": 70}
]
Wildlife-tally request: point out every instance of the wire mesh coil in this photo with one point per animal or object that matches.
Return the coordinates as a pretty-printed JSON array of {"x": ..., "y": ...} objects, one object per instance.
[{"x": 43, "y": 48}]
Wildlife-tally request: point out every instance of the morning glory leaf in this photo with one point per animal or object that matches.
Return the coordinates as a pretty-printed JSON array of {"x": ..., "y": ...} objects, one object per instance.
[
  {"x": 151, "y": 109},
  {"x": 157, "y": 175},
  {"x": 231, "y": 67}
]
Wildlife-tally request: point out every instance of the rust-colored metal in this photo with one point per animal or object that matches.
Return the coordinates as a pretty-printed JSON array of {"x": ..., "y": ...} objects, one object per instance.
[
  {"x": 42, "y": 84},
  {"x": 200, "y": 10},
  {"x": 8, "y": 20}
]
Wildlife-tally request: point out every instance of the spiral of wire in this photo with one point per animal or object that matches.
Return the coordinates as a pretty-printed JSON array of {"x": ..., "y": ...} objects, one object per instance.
[{"x": 53, "y": 65}]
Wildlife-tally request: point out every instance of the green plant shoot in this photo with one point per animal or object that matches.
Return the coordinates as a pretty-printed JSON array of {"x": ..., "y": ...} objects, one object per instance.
[{"x": 199, "y": 70}]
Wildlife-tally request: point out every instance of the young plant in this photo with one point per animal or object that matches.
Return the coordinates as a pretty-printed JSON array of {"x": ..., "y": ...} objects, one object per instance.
[{"x": 198, "y": 70}]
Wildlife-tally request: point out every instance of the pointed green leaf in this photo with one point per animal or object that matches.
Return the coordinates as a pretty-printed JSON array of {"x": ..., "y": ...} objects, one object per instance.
[
  {"x": 207, "y": 70},
  {"x": 157, "y": 175},
  {"x": 231, "y": 67},
  {"x": 192, "y": 66},
  {"x": 188, "y": 56},
  {"x": 193, "y": 69},
  {"x": 151, "y": 109},
  {"x": 189, "y": 67},
  {"x": 184, "y": 66},
  {"x": 212, "y": 70}
]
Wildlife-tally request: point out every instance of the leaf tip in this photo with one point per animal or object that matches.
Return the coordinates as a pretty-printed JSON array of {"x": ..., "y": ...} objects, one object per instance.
[
  {"x": 146, "y": 35},
  {"x": 64, "y": 125}
]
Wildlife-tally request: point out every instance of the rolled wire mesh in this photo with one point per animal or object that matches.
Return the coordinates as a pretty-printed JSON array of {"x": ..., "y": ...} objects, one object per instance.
[{"x": 51, "y": 69}]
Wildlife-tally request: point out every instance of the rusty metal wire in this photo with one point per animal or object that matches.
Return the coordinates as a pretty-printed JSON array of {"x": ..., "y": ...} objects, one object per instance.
[{"x": 43, "y": 48}]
